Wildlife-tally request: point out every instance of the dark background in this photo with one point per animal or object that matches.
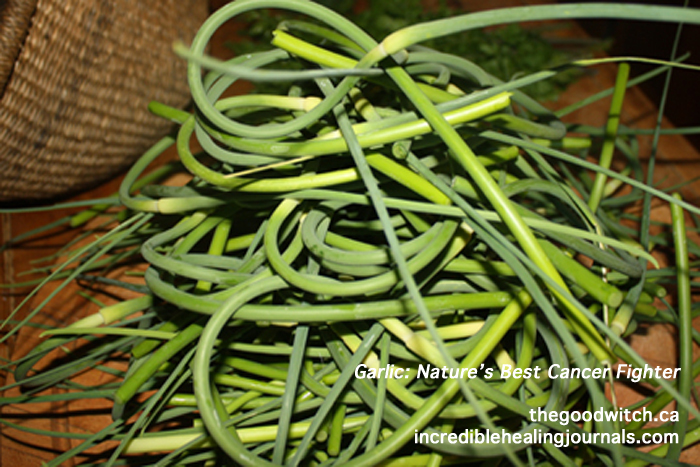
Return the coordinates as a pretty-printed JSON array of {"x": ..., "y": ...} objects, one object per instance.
[{"x": 655, "y": 39}]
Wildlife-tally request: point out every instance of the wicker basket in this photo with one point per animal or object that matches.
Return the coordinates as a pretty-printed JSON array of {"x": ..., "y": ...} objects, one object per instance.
[{"x": 76, "y": 77}]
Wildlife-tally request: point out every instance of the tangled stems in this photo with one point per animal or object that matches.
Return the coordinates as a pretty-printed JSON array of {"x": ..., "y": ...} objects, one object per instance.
[
  {"x": 205, "y": 394},
  {"x": 396, "y": 215},
  {"x": 514, "y": 224},
  {"x": 231, "y": 10},
  {"x": 467, "y": 159}
]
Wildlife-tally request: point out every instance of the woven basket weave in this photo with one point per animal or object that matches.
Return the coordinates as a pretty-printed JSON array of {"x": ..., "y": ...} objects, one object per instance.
[{"x": 76, "y": 77}]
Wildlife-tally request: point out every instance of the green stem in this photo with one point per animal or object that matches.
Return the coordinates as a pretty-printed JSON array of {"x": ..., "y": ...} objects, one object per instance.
[
  {"x": 606, "y": 153},
  {"x": 685, "y": 325}
]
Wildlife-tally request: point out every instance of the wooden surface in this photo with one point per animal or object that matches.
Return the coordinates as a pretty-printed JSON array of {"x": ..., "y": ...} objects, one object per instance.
[{"x": 678, "y": 161}]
